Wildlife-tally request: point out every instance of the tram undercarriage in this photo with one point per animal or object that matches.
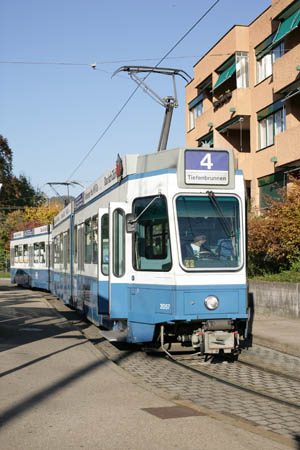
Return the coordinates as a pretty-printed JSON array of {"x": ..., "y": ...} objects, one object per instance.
[{"x": 208, "y": 337}]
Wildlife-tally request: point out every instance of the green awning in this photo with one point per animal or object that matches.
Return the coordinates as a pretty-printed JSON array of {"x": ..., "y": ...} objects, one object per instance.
[
  {"x": 195, "y": 102},
  {"x": 227, "y": 125},
  {"x": 288, "y": 11},
  {"x": 277, "y": 177},
  {"x": 287, "y": 26},
  {"x": 225, "y": 75},
  {"x": 269, "y": 110},
  {"x": 264, "y": 47},
  {"x": 205, "y": 85},
  {"x": 206, "y": 139},
  {"x": 290, "y": 90}
]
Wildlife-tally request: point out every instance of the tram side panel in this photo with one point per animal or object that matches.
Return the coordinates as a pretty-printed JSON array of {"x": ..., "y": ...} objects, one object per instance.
[
  {"x": 92, "y": 257},
  {"x": 20, "y": 268},
  {"x": 30, "y": 258}
]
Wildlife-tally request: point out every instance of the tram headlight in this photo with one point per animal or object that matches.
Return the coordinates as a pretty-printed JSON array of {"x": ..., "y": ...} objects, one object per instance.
[{"x": 211, "y": 302}]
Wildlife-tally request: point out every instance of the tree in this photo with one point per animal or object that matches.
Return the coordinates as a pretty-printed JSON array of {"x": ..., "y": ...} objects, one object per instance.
[
  {"x": 26, "y": 219},
  {"x": 15, "y": 191},
  {"x": 274, "y": 237},
  {"x": 6, "y": 174},
  {"x": 5, "y": 160},
  {"x": 44, "y": 214},
  {"x": 26, "y": 195}
]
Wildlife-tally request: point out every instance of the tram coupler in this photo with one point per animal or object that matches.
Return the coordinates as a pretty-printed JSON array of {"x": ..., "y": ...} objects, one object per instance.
[{"x": 214, "y": 342}]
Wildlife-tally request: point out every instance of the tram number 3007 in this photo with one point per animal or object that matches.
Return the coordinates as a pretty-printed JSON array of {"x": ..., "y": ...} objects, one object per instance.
[{"x": 164, "y": 306}]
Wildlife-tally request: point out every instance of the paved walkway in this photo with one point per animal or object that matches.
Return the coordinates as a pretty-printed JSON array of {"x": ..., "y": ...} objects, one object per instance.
[{"x": 57, "y": 391}]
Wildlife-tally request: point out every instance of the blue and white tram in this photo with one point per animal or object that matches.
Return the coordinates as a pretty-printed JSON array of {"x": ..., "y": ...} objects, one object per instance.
[
  {"x": 30, "y": 257},
  {"x": 124, "y": 251},
  {"x": 129, "y": 233}
]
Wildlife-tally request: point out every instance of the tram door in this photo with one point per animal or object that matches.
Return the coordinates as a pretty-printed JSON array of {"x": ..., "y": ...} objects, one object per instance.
[
  {"x": 78, "y": 285},
  {"x": 103, "y": 261},
  {"x": 66, "y": 281},
  {"x": 119, "y": 251}
]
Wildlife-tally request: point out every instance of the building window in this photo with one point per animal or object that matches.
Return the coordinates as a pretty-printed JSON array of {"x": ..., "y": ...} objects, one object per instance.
[
  {"x": 270, "y": 125},
  {"x": 195, "y": 110},
  {"x": 242, "y": 70},
  {"x": 236, "y": 69},
  {"x": 270, "y": 188},
  {"x": 265, "y": 63}
]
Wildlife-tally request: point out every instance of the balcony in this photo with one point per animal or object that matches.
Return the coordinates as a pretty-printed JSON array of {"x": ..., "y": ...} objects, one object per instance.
[
  {"x": 284, "y": 69},
  {"x": 230, "y": 104}
]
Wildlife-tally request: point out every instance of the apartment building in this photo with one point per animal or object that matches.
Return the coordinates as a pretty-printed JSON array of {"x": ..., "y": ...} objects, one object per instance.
[{"x": 245, "y": 94}]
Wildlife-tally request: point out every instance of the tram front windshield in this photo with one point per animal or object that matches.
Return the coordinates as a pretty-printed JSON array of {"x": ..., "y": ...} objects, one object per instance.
[{"x": 209, "y": 232}]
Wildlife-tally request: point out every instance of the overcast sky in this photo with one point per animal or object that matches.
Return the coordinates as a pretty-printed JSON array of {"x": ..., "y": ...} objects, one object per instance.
[{"x": 55, "y": 106}]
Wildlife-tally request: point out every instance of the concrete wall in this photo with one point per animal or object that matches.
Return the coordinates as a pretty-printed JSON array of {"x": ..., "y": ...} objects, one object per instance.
[{"x": 275, "y": 299}]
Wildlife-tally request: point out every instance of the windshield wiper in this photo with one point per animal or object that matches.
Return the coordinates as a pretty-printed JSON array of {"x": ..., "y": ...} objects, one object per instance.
[{"x": 230, "y": 232}]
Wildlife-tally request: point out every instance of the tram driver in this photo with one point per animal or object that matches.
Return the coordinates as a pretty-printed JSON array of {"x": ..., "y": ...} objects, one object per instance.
[
  {"x": 197, "y": 249},
  {"x": 200, "y": 247}
]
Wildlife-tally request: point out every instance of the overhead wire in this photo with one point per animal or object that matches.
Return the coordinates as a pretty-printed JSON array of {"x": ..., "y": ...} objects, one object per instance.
[
  {"x": 136, "y": 89},
  {"x": 96, "y": 63}
]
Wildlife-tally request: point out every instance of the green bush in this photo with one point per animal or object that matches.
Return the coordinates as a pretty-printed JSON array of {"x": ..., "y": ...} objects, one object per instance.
[{"x": 274, "y": 237}]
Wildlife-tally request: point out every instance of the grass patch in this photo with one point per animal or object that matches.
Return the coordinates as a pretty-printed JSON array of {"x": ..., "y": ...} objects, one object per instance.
[
  {"x": 287, "y": 276},
  {"x": 4, "y": 275}
]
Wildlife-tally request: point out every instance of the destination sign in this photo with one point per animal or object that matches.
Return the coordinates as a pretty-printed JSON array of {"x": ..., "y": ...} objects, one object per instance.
[{"x": 206, "y": 167}]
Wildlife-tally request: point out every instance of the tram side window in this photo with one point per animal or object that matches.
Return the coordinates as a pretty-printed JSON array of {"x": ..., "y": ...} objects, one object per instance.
[
  {"x": 39, "y": 253},
  {"x": 21, "y": 253},
  {"x": 51, "y": 254},
  {"x": 104, "y": 244},
  {"x": 66, "y": 248},
  {"x": 61, "y": 248},
  {"x": 118, "y": 243},
  {"x": 25, "y": 253},
  {"x": 31, "y": 255},
  {"x": 95, "y": 239},
  {"x": 152, "y": 250},
  {"x": 42, "y": 253},
  {"x": 76, "y": 244},
  {"x": 17, "y": 253},
  {"x": 58, "y": 249},
  {"x": 88, "y": 241},
  {"x": 36, "y": 253}
]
